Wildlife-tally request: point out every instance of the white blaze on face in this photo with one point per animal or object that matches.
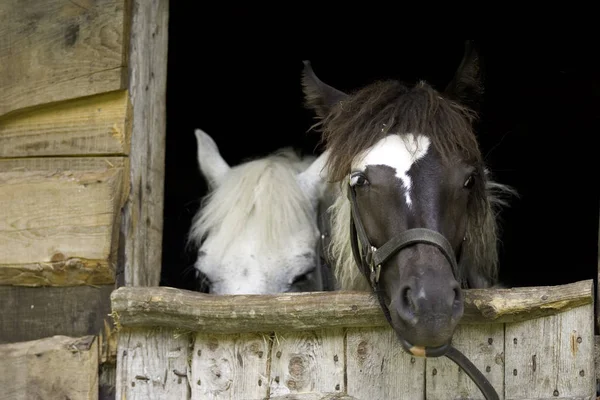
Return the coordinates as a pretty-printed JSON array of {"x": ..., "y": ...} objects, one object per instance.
[{"x": 397, "y": 153}]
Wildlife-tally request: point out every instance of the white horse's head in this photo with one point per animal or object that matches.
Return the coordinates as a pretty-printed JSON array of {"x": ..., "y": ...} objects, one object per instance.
[{"x": 256, "y": 231}]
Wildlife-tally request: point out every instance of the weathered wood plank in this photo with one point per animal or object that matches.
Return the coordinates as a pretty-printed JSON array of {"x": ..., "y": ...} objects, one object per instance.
[
  {"x": 525, "y": 303},
  {"x": 484, "y": 346},
  {"x": 35, "y": 313},
  {"x": 59, "y": 219},
  {"x": 378, "y": 368},
  {"x": 54, "y": 50},
  {"x": 138, "y": 306},
  {"x": 597, "y": 303},
  {"x": 142, "y": 222},
  {"x": 551, "y": 357},
  {"x": 71, "y": 272},
  {"x": 311, "y": 361},
  {"x": 57, "y": 367},
  {"x": 315, "y": 396},
  {"x": 230, "y": 367},
  {"x": 92, "y": 125},
  {"x": 153, "y": 364}
]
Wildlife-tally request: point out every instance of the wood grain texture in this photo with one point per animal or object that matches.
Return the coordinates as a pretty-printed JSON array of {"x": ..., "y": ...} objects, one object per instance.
[
  {"x": 315, "y": 396},
  {"x": 35, "y": 313},
  {"x": 311, "y": 361},
  {"x": 57, "y": 367},
  {"x": 142, "y": 221},
  {"x": 551, "y": 357},
  {"x": 95, "y": 125},
  {"x": 71, "y": 272},
  {"x": 597, "y": 303},
  {"x": 483, "y": 345},
  {"x": 54, "y": 50},
  {"x": 525, "y": 303},
  {"x": 230, "y": 367},
  {"x": 57, "y": 214},
  {"x": 153, "y": 364},
  {"x": 139, "y": 306},
  {"x": 378, "y": 368}
]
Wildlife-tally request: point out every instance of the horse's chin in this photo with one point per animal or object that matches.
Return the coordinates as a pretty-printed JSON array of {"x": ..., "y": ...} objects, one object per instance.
[
  {"x": 424, "y": 342},
  {"x": 424, "y": 351}
]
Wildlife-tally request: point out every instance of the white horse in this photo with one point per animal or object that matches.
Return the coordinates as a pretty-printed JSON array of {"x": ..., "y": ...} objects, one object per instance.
[{"x": 256, "y": 231}]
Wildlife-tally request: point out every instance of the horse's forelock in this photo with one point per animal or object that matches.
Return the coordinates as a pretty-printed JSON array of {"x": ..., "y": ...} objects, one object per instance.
[{"x": 387, "y": 107}]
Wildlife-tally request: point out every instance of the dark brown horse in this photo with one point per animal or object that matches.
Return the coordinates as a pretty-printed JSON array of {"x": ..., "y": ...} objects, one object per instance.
[{"x": 415, "y": 208}]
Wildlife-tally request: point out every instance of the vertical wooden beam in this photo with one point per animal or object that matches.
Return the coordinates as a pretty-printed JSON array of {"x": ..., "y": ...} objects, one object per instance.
[
  {"x": 142, "y": 218},
  {"x": 598, "y": 286}
]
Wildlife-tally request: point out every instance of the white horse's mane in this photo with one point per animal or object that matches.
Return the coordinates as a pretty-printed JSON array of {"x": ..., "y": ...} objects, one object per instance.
[{"x": 261, "y": 197}]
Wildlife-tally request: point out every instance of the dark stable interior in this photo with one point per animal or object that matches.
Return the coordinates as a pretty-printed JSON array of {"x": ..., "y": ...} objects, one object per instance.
[{"x": 537, "y": 129}]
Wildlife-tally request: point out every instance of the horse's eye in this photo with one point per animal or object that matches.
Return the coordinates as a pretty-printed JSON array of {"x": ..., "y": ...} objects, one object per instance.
[
  {"x": 302, "y": 277},
  {"x": 358, "y": 179},
  {"x": 469, "y": 182}
]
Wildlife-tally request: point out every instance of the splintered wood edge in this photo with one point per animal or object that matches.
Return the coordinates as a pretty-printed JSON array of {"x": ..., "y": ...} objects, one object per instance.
[{"x": 223, "y": 314}]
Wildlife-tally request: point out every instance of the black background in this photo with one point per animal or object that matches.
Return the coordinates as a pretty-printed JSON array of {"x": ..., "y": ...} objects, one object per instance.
[{"x": 240, "y": 83}]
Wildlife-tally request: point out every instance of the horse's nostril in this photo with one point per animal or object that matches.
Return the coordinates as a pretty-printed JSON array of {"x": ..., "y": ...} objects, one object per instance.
[
  {"x": 407, "y": 306},
  {"x": 457, "y": 295}
]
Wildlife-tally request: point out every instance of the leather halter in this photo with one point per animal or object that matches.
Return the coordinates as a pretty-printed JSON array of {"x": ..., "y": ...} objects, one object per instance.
[{"x": 370, "y": 260}]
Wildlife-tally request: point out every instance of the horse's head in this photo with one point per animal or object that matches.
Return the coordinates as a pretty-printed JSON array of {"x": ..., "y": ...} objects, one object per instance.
[
  {"x": 256, "y": 231},
  {"x": 416, "y": 211}
]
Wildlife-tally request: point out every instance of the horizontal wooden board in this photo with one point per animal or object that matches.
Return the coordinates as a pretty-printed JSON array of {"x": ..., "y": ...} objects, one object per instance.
[
  {"x": 35, "y": 313},
  {"x": 60, "y": 210},
  {"x": 91, "y": 125},
  {"x": 54, "y": 50},
  {"x": 58, "y": 367},
  {"x": 71, "y": 272},
  {"x": 149, "y": 306}
]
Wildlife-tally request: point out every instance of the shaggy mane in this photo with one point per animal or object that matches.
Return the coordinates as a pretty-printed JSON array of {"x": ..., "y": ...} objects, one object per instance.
[
  {"x": 390, "y": 107},
  {"x": 260, "y": 196}
]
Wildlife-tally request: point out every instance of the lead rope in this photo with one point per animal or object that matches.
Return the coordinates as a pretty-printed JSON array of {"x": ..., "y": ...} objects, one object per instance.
[{"x": 449, "y": 351}]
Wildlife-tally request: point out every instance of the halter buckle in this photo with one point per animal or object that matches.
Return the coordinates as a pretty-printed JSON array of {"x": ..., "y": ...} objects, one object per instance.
[{"x": 375, "y": 269}]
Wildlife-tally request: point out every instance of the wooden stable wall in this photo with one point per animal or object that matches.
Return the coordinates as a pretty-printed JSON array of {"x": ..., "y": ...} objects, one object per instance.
[
  {"x": 82, "y": 125},
  {"x": 531, "y": 343}
]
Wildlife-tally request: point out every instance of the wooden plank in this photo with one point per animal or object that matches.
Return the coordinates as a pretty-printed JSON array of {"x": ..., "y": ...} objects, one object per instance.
[
  {"x": 142, "y": 221},
  {"x": 56, "y": 50},
  {"x": 35, "y": 313},
  {"x": 230, "y": 367},
  {"x": 484, "y": 346},
  {"x": 164, "y": 306},
  {"x": 98, "y": 124},
  {"x": 551, "y": 357},
  {"x": 59, "y": 220},
  {"x": 311, "y": 361},
  {"x": 153, "y": 364},
  {"x": 71, "y": 272},
  {"x": 598, "y": 285},
  {"x": 314, "y": 396},
  {"x": 525, "y": 303},
  {"x": 378, "y": 368},
  {"x": 58, "y": 367}
]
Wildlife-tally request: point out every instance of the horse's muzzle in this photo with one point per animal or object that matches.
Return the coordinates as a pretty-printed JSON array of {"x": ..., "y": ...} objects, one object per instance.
[{"x": 425, "y": 312}]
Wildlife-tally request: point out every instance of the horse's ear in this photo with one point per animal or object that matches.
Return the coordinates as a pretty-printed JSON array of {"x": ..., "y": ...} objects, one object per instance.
[
  {"x": 211, "y": 164},
  {"x": 319, "y": 96},
  {"x": 313, "y": 179},
  {"x": 467, "y": 83}
]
